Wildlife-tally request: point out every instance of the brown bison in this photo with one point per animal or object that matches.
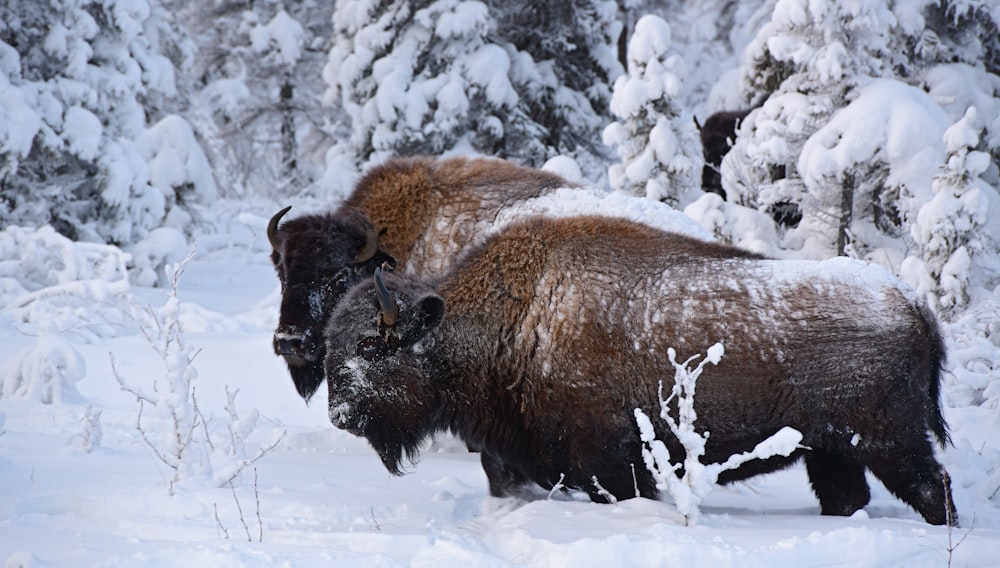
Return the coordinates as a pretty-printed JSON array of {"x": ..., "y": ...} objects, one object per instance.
[
  {"x": 418, "y": 214},
  {"x": 414, "y": 213},
  {"x": 537, "y": 347}
]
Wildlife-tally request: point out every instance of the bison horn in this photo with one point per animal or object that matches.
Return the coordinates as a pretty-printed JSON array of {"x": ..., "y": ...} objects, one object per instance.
[
  {"x": 272, "y": 228},
  {"x": 371, "y": 242},
  {"x": 390, "y": 309}
]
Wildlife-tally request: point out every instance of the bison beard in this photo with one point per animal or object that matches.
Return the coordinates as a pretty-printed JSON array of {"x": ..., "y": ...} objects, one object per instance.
[{"x": 556, "y": 330}]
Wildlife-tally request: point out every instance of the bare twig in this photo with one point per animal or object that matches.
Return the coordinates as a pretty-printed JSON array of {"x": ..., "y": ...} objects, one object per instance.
[
  {"x": 256, "y": 494},
  {"x": 240, "y": 509},
  {"x": 603, "y": 492},
  {"x": 558, "y": 485},
  {"x": 950, "y": 520},
  {"x": 248, "y": 462},
  {"x": 218, "y": 522}
]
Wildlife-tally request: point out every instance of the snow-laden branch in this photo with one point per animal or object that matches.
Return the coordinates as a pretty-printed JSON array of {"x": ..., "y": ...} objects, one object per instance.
[{"x": 698, "y": 479}]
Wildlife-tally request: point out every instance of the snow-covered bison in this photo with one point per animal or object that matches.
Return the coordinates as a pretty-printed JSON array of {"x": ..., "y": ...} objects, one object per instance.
[
  {"x": 537, "y": 346},
  {"x": 415, "y": 213}
]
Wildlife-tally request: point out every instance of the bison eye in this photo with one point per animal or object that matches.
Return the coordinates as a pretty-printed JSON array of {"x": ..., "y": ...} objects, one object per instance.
[{"x": 371, "y": 348}]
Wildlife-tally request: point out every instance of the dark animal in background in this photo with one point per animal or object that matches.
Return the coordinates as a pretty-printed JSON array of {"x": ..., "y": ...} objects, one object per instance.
[
  {"x": 717, "y": 137},
  {"x": 415, "y": 213},
  {"x": 538, "y": 345}
]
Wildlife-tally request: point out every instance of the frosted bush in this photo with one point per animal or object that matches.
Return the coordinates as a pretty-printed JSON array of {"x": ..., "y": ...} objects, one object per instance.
[
  {"x": 90, "y": 434},
  {"x": 698, "y": 479},
  {"x": 151, "y": 256},
  {"x": 48, "y": 281},
  {"x": 46, "y": 373},
  {"x": 179, "y": 434}
]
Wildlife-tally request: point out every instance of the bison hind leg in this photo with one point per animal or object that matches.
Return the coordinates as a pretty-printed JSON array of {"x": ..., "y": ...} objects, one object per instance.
[{"x": 838, "y": 482}]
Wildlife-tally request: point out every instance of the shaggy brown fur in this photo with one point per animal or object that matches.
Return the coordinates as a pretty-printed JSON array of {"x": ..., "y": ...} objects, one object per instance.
[
  {"x": 537, "y": 347},
  {"x": 426, "y": 212}
]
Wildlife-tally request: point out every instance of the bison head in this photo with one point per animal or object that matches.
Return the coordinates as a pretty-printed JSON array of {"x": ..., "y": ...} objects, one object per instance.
[
  {"x": 378, "y": 363},
  {"x": 317, "y": 258}
]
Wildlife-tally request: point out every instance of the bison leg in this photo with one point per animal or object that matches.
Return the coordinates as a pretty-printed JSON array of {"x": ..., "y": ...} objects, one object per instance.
[
  {"x": 838, "y": 483},
  {"x": 920, "y": 482},
  {"x": 503, "y": 481}
]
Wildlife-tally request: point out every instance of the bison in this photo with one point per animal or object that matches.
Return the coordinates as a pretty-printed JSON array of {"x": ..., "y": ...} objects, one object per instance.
[
  {"x": 538, "y": 345},
  {"x": 415, "y": 213},
  {"x": 717, "y": 136}
]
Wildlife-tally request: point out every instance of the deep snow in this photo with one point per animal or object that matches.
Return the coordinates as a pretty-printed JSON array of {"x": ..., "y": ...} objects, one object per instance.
[{"x": 323, "y": 497}]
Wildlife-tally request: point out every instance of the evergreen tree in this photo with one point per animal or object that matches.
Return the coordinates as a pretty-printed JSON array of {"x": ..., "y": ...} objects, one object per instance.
[
  {"x": 951, "y": 228},
  {"x": 656, "y": 141},
  {"x": 804, "y": 65},
  {"x": 524, "y": 81},
  {"x": 79, "y": 78},
  {"x": 257, "y": 90}
]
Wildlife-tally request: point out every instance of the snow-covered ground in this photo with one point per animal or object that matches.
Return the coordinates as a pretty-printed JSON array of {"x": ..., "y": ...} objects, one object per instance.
[{"x": 81, "y": 487}]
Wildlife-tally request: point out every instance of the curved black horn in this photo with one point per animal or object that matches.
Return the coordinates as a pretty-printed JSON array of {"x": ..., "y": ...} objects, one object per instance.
[
  {"x": 272, "y": 228},
  {"x": 390, "y": 309},
  {"x": 371, "y": 241}
]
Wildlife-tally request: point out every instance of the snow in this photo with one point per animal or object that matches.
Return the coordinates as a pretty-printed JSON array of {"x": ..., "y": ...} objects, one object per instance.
[
  {"x": 901, "y": 124},
  {"x": 82, "y": 488},
  {"x": 282, "y": 34}
]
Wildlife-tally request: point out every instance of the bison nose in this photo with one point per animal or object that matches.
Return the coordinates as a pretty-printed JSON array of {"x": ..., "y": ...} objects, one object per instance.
[
  {"x": 294, "y": 346},
  {"x": 289, "y": 345}
]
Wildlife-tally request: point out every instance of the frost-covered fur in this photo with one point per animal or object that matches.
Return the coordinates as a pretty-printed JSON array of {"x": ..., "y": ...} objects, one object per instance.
[
  {"x": 537, "y": 347},
  {"x": 426, "y": 210}
]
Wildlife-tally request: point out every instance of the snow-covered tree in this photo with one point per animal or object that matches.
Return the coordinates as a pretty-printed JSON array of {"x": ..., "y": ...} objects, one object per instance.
[
  {"x": 520, "y": 80},
  {"x": 655, "y": 139},
  {"x": 951, "y": 229},
  {"x": 80, "y": 78},
  {"x": 257, "y": 90},
  {"x": 813, "y": 58}
]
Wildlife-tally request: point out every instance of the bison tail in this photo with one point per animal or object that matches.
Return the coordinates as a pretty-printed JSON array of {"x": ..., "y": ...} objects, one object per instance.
[{"x": 936, "y": 357}]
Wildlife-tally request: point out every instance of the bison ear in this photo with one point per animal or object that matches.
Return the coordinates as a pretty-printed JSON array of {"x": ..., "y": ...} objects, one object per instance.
[{"x": 427, "y": 314}]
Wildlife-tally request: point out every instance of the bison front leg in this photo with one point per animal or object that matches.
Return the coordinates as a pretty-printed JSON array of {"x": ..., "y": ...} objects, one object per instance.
[
  {"x": 503, "y": 481},
  {"x": 839, "y": 483},
  {"x": 916, "y": 477}
]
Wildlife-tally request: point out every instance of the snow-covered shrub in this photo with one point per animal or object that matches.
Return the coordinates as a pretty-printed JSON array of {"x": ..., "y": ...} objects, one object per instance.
[
  {"x": 177, "y": 417},
  {"x": 90, "y": 434},
  {"x": 50, "y": 282},
  {"x": 732, "y": 223},
  {"x": 179, "y": 434},
  {"x": 656, "y": 141},
  {"x": 231, "y": 455},
  {"x": 151, "y": 256},
  {"x": 178, "y": 168},
  {"x": 698, "y": 479},
  {"x": 46, "y": 373}
]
